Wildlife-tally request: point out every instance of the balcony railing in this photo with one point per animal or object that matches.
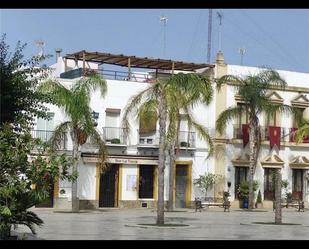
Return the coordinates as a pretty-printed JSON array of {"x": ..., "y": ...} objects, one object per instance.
[
  {"x": 293, "y": 135},
  {"x": 148, "y": 138},
  {"x": 237, "y": 132},
  {"x": 45, "y": 136},
  {"x": 114, "y": 135},
  {"x": 187, "y": 139}
]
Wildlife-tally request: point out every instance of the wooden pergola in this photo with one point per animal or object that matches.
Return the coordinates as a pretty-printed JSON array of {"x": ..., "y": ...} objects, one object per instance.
[{"x": 133, "y": 61}]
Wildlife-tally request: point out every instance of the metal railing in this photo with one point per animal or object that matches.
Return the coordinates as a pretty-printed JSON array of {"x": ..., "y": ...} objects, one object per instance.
[
  {"x": 150, "y": 138},
  {"x": 125, "y": 76},
  {"x": 114, "y": 135},
  {"x": 45, "y": 136},
  {"x": 292, "y": 133},
  {"x": 187, "y": 139},
  {"x": 238, "y": 134}
]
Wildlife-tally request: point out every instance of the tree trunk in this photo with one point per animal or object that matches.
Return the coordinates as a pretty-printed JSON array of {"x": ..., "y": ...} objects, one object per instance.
[
  {"x": 174, "y": 144},
  {"x": 278, "y": 212},
  {"x": 253, "y": 159},
  {"x": 161, "y": 166},
  {"x": 75, "y": 201},
  {"x": 171, "y": 201}
]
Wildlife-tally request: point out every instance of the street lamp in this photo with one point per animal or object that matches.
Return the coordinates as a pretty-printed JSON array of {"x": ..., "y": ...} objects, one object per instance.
[{"x": 95, "y": 116}]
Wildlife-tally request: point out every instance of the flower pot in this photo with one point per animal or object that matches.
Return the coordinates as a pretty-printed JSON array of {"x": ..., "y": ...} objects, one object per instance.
[{"x": 245, "y": 204}]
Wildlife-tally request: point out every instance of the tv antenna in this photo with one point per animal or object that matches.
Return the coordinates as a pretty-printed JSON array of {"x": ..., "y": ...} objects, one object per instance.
[
  {"x": 40, "y": 43},
  {"x": 209, "y": 35},
  {"x": 220, "y": 16},
  {"x": 164, "y": 19},
  {"x": 242, "y": 51}
]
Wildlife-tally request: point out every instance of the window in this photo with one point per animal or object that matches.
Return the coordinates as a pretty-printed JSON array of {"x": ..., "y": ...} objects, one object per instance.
[
  {"x": 44, "y": 127},
  {"x": 297, "y": 116},
  {"x": 297, "y": 183},
  {"x": 272, "y": 120},
  {"x": 244, "y": 117},
  {"x": 146, "y": 181},
  {"x": 112, "y": 130},
  {"x": 241, "y": 174},
  {"x": 269, "y": 184}
]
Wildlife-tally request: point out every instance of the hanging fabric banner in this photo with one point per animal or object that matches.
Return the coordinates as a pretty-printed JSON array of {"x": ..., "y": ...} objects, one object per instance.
[
  {"x": 245, "y": 134},
  {"x": 274, "y": 136}
]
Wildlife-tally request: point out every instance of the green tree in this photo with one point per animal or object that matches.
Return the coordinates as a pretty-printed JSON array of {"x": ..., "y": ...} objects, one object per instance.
[
  {"x": 189, "y": 90},
  {"x": 19, "y": 79},
  {"x": 158, "y": 101},
  {"x": 207, "y": 181},
  {"x": 253, "y": 90},
  {"x": 20, "y": 170},
  {"x": 75, "y": 103}
]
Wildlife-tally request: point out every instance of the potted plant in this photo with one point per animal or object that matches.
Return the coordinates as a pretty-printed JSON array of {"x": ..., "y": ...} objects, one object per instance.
[
  {"x": 259, "y": 200},
  {"x": 243, "y": 193},
  {"x": 207, "y": 181},
  {"x": 115, "y": 141}
]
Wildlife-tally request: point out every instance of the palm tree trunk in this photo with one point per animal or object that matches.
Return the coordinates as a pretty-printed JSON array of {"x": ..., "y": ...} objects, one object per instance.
[
  {"x": 171, "y": 202},
  {"x": 252, "y": 143},
  {"x": 75, "y": 201},
  {"x": 170, "y": 206},
  {"x": 278, "y": 212},
  {"x": 161, "y": 166}
]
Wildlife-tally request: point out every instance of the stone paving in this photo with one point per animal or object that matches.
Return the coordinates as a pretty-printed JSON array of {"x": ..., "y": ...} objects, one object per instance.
[{"x": 210, "y": 224}]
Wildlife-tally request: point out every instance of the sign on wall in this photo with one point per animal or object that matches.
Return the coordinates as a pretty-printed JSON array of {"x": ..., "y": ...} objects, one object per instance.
[
  {"x": 131, "y": 183},
  {"x": 122, "y": 161}
]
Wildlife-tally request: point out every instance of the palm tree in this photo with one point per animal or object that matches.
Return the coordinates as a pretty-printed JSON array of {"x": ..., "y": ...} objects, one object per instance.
[
  {"x": 252, "y": 89},
  {"x": 75, "y": 102},
  {"x": 188, "y": 91},
  {"x": 158, "y": 100}
]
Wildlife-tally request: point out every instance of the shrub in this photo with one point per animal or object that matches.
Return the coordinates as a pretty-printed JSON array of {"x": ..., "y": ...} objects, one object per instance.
[{"x": 115, "y": 141}]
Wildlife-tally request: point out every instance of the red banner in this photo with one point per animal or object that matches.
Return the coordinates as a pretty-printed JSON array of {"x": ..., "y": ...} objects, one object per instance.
[
  {"x": 245, "y": 134},
  {"x": 274, "y": 136}
]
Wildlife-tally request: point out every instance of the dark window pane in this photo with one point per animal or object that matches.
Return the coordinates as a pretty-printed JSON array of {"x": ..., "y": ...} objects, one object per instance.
[{"x": 146, "y": 173}]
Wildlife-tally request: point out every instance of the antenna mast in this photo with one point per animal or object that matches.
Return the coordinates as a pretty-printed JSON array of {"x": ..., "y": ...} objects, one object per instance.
[
  {"x": 164, "y": 19},
  {"x": 209, "y": 35},
  {"x": 40, "y": 43},
  {"x": 220, "y": 16},
  {"x": 242, "y": 51}
]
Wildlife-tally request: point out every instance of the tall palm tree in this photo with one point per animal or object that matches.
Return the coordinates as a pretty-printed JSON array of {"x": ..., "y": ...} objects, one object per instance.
[
  {"x": 158, "y": 100},
  {"x": 75, "y": 102},
  {"x": 252, "y": 89},
  {"x": 189, "y": 90}
]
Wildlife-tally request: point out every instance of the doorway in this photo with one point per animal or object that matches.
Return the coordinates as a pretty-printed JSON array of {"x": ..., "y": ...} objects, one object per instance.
[
  {"x": 108, "y": 195},
  {"x": 181, "y": 185},
  {"x": 48, "y": 202}
]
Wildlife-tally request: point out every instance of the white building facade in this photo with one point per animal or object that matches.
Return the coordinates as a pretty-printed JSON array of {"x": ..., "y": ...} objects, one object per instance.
[{"x": 131, "y": 181}]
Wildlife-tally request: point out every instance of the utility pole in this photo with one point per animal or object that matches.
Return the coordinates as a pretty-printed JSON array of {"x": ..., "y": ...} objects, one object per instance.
[
  {"x": 164, "y": 19},
  {"x": 209, "y": 35},
  {"x": 242, "y": 51},
  {"x": 220, "y": 16}
]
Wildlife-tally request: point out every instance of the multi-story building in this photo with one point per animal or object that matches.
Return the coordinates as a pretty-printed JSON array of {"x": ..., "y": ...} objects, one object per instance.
[{"x": 131, "y": 180}]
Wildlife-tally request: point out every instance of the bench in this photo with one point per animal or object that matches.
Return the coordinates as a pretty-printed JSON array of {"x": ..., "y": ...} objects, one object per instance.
[
  {"x": 203, "y": 202},
  {"x": 295, "y": 203}
]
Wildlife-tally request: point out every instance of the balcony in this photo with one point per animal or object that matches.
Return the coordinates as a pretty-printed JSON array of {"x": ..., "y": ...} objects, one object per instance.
[
  {"x": 237, "y": 132},
  {"x": 114, "y": 136},
  {"x": 186, "y": 139},
  {"x": 110, "y": 74},
  {"x": 148, "y": 139},
  {"x": 292, "y": 133},
  {"x": 45, "y": 136}
]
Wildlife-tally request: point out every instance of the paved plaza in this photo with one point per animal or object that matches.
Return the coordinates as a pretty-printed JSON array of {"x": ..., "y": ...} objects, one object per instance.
[{"x": 211, "y": 224}]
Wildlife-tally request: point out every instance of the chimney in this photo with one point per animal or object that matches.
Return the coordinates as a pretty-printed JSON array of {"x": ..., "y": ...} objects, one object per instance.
[
  {"x": 220, "y": 58},
  {"x": 58, "y": 51}
]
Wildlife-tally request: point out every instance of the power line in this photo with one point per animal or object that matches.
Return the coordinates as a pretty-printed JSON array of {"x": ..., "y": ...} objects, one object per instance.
[{"x": 283, "y": 50}]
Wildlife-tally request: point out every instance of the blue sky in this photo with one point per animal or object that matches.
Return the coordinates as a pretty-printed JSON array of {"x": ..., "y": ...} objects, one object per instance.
[{"x": 274, "y": 38}]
